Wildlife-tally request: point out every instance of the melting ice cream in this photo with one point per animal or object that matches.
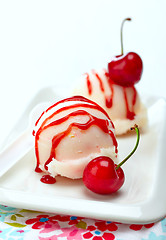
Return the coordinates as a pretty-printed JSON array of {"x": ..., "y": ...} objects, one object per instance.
[
  {"x": 122, "y": 104},
  {"x": 69, "y": 134}
]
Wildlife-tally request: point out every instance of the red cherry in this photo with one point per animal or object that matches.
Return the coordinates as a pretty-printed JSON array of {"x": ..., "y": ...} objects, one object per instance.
[
  {"x": 100, "y": 176},
  {"x": 125, "y": 70}
]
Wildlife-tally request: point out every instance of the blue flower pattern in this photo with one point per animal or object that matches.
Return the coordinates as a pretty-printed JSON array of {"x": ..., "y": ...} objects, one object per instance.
[
  {"x": 12, "y": 234},
  {"x": 5, "y": 211}
]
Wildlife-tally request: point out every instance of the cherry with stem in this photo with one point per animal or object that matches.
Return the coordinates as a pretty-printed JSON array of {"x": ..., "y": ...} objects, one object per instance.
[
  {"x": 121, "y": 33},
  {"x": 125, "y": 69},
  {"x": 136, "y": 145},
  {"x": 103, "y": 176}
]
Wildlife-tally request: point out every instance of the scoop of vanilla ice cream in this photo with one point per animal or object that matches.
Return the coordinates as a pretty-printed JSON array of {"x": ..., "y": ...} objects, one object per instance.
[
  {"x": 122, "y": 104},
  {"x": 70, "y": 133}
]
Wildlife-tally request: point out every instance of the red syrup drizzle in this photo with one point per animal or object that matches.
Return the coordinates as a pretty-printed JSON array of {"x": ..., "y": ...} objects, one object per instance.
[
  {"x": 39, "y": 118},
  {"x": 74, "y": 98},
  {"x": 48, "y": 179},
  {"x": 100, "y": 80},
  {"x": 130, "y": 114},
  {"x": 109, "y": 99},
  {"x": 72, "y": 107},
  {"x": 38, "y": 170},
  {"x": 103, "y": 124},
  {"x": 89, "y": 85},
  {"x": 90, "y": 104}
]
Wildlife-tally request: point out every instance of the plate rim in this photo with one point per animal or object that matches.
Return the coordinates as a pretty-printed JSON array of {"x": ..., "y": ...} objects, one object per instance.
[{"x": 140, "y": 211}]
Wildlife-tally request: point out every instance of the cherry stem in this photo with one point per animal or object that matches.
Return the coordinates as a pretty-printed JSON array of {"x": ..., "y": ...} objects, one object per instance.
[
  {"x": 136, "y": 145},
  {"x": 121, "y": 33}
]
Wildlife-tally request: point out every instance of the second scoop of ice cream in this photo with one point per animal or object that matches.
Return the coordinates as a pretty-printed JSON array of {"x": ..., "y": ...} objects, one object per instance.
[
  {"x": 69, "y": 134},
  {"x": 123, "y": 104}
]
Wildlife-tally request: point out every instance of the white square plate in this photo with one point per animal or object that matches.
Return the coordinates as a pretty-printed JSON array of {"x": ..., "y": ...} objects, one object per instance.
[{"x": 142, "y": 199}]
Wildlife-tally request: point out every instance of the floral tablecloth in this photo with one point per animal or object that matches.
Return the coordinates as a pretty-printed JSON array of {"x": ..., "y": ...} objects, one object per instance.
[{"x": 25, "y": 224}]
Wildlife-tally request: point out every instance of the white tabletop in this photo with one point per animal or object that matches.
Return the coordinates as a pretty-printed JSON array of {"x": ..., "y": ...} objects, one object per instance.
[{"x": 43, "y": 43}]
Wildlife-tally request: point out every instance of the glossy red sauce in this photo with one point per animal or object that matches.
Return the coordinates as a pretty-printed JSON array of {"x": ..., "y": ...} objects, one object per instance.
[
  {"x": 100, "y": 80},
  {"x": 101, "y": 123},
  {"x": 108, "y": 98},
  {"x": 89, "y": 84},
  {"x": 72, "y": 107},
  {"x": 130, "y": 114},
  {"x": 48, "y": 179},
  {"x": 74, "y": 98},
  {"x": 38, "y": 170}
]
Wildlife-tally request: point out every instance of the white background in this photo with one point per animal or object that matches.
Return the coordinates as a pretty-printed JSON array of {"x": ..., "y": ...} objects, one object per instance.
[{"x": 45, "y": 43}]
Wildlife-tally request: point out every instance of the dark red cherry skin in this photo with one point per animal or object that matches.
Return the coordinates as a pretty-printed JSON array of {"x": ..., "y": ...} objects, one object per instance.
[
  {"x": 126, "y": 70},
  {"x": 100, "y": 176}
]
